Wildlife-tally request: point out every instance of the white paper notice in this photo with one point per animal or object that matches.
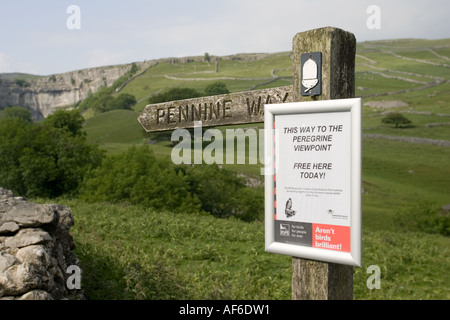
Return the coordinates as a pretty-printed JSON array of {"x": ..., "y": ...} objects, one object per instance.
[{"x": 313, "y": 168}]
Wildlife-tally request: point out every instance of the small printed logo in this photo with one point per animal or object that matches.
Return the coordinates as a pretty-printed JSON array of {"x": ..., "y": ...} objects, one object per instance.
[
  {"x": 334, "y": 215},
  {"x": 285, "y": 230}
]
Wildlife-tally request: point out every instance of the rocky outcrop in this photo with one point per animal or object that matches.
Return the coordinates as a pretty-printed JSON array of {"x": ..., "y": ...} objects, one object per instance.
[
  {"x": 44, "y": 95},
  {"x": 36, "y": 251}
]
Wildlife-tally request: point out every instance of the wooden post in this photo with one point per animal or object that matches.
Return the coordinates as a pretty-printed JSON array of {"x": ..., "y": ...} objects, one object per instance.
[
  {"x": 316, "y": 280},
  {"x": 310, "y": 279}
]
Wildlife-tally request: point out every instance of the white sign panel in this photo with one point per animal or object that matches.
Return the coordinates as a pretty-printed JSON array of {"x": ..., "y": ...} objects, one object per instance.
[{"x": 313, "y": 180}]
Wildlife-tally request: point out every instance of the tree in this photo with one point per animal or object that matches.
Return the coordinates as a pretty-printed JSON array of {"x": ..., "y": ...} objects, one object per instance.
[
  {"x": 48, "y": 159},
  {"x": 216, "y": 88},
  {"x": 138, "y": 177},
  {"x": 71, "y": 121},
  {"x": 103, "y": 101},
  {"x": 223, "y": 194},
  {"x": 395, "y": 118},
  {"x": 133, "y": 69},
  {"x": 22, "y": 83},
  {"x": 16, "y": 112},
  {"x": 123, "y": 101},
  {"x": 14, "y": 137}
]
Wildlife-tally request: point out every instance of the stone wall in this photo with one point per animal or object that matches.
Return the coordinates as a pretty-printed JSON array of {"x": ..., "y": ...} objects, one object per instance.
[{"x": 36, "y": 258}]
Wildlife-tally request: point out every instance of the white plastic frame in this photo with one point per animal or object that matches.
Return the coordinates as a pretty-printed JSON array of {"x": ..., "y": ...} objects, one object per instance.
[{"x": 353, "y": 106}]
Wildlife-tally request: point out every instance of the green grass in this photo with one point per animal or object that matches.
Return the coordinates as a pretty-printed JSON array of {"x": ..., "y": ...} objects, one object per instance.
[
  {"x": 114, "y": 130},
  {"x": 398, "y": 175},
  {"x": 154, "y": 79},
  {"x": 129, "y": 252},
  {"x": 373, "y": 84}
]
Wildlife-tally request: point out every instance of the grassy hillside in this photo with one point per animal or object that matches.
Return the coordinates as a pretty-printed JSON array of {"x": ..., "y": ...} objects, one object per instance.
[
  {"x": 19, "y": 76},
  {"x": 131, "y": 252}
]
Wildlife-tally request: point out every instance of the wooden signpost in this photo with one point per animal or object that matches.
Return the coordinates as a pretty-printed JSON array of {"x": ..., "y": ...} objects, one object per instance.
[
  {"x": 225, "y": 109},
  {"x": 324, "y": 69},
  {"x": 317, "y": 280}
]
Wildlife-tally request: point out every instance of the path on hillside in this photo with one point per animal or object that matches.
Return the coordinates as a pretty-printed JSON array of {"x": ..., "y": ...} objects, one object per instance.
[
  {"x": 150, "y": 95},
  {"x": 173, "y": 77},
  {"x": 383, "y": 72},
  {"x": 266, "y": 81},
  {"x": 442, "y": 143},
  {"x": 215, "y": 78},
  {"x": 438, "y": 55},
  {"x": 416, "y": 60}
]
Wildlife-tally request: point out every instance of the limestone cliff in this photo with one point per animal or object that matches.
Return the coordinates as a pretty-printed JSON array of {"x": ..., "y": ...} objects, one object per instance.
[{"x": 44, "y": 95}]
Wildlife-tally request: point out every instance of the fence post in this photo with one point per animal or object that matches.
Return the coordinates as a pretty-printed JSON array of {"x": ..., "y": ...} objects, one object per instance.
[{"x": 316, "y": 280}]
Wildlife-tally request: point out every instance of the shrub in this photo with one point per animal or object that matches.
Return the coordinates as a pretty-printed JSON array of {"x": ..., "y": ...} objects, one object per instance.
[
  {"x": 16, "y": 112},
  {"x": 175, "y": 94},
  {"x": 103, "y": 101},
  {"x": 123, "y": 101},
  {"x": 138, "y": 177},
  {"x": 396, "y": 118},
  {"x": 424, "y": 217},
  {"x": 216, "y": 88},
  {"x": 223, "y": 194},
  {"x": 22, "y": 83},
  {"x": 47, "y": 159},
  {"x": 72, "y": 121}
]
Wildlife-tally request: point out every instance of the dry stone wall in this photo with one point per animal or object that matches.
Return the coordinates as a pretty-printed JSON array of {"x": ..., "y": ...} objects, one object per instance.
[{"x": 36, "y": 251}]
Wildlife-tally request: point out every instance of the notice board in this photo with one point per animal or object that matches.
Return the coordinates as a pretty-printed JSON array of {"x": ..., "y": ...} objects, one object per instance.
[{"x": 313, "y": 180}]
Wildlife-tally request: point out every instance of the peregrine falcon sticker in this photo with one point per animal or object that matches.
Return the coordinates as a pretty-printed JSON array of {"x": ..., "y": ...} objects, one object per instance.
[
  {"x": 288, "y": 210},
  {"x": 311, "y": 84}
]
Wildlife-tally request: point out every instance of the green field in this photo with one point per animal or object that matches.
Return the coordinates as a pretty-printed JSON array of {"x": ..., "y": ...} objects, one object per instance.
[{"x": 129, "y": 252}]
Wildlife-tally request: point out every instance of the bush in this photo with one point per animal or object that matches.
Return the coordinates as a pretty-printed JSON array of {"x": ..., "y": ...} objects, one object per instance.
[
  {"x": 72, "y": 121},
  {"x": 215, "y": 188},
  {"x": 138, "y": 177},
  {"x": 396, "y": 118},
  {"x": 22, "y": 83},
  {"x": 424, "y": 217},
  {"x": 223, "y": 194},
  {"x": 16, "y": 112},
  {"x": 47, "y": 159},
  {"x": 174, "y": 94},
  {"x": 216, "y": 88},
  {"x": 103, "y": 101},
  {"x": 123, "y": 101}
]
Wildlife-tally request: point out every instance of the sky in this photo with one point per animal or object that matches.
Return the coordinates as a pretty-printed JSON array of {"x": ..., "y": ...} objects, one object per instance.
[{"x": 49, "y": 37}]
